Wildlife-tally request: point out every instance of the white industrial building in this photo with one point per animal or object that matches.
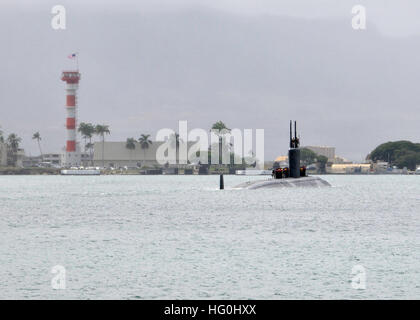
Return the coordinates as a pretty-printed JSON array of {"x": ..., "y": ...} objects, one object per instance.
[
  {"x": 117, "y": 155},
  {"x": 53, "y": 158},
  {"x": 83, "y": 158}
]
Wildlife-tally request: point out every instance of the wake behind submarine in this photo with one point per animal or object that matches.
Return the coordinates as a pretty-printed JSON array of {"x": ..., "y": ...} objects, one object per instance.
[{"x": 292, "y": 176}]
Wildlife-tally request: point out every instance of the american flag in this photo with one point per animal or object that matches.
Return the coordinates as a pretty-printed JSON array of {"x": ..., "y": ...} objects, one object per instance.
[{"x": 71, "y": 56}]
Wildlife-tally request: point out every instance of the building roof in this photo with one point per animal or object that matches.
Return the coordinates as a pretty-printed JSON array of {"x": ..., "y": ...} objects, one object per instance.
[{"x": 281, "y": 158}]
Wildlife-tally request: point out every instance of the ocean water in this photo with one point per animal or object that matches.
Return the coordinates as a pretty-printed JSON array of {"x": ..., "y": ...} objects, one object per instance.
[{"x": 179, "y": 237}]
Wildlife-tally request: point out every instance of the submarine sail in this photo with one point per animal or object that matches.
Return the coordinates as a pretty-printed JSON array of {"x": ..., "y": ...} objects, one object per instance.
[{"x": 292, "y": 176}]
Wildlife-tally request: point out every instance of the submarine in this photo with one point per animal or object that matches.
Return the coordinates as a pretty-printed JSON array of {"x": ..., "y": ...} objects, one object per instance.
[{"x": 289, "y": 177}]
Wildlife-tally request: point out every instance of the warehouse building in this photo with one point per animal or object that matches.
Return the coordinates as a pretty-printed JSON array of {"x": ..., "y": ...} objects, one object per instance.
[{"x": 117, "y": 155}]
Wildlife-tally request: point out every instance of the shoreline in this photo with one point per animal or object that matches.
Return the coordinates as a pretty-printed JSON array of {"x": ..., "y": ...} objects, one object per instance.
[{"x": 11, "y": 171}]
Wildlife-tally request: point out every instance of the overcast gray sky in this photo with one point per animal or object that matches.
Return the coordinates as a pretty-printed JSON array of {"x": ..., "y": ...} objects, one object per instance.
[{"x": 253, "y": 64}]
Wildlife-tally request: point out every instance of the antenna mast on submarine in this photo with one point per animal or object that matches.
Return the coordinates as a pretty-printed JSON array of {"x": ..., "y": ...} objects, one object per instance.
[{"x": 291, "y": 139}]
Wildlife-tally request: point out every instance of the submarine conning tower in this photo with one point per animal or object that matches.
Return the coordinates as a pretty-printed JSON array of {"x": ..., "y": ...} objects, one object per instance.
[{"x": 294, "y": 154}]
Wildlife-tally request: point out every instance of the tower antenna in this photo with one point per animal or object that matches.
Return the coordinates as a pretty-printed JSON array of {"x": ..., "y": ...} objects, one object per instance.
[{"x": 291, "y": 139}]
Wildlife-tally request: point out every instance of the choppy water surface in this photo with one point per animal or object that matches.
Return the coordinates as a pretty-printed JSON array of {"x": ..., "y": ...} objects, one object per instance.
[{"x": 162, "y": 237}]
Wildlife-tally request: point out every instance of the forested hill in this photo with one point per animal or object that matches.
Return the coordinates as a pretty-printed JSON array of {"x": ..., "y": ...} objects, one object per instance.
[{"x": 398, "y": 153}]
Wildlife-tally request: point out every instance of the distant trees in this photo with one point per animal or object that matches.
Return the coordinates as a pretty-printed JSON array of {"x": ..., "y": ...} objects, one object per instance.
[
  {"x": 13, "y": 142},
  {"x": 130, "y": 145},
  {"x": 220, "y": 126},
  {"x": 11, "y": 147},
  {"x": 174, "y": 141},
  {"x": 308, "y": 157},
  {"x": 225, "y": 151},
  {"x": 87, "y": 130},
  {"x": 410, "y": 160},
  {"x": 101, "y": 130},
  {"x": 322, "y": 162},
  {"x": 397, "y": 153},
  {"x": 145, "y": 143},
  {"x": 37, "y": 136}
]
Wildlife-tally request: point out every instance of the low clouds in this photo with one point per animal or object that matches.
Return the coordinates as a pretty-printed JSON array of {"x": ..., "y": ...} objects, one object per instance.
[{"x": 142, "y": 71}]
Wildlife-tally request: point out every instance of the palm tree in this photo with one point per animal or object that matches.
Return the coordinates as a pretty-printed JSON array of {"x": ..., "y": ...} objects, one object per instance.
[
  {"x": 145, "y": 143},
  {"x": 13, "y": 142},
  {"x": 174, "y": 141},
  {"x": 219, "y": 125},
  {"x": 37, "y": 137},
  {"x": 130, "y": 145},
  {"x": 101, "y": 130},
  {"x": 87, "y": 130}
]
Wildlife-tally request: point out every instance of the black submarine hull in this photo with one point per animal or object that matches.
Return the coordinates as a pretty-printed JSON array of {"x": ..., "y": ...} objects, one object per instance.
[{"x": 310, "y": 182}]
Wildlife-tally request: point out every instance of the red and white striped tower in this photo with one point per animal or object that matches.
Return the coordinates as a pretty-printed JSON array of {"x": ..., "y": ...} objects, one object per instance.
[{"x": 71, "y": 157}]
